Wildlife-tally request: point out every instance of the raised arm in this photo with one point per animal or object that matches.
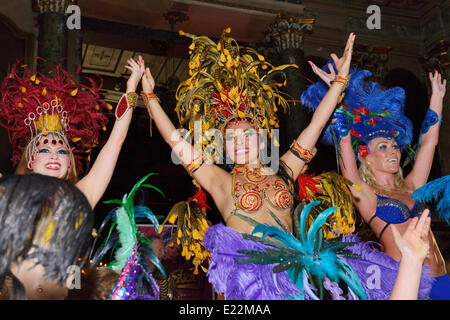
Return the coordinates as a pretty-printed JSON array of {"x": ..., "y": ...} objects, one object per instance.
[
  {"x": 429, "y": 134},
  {"x": 309, "y": 136},
  {"x": 210, "y": 177},
  {"x": 364, "y": 198},
  {"x": 94, "y": 184},
  {"x": 347, "y": 163}
]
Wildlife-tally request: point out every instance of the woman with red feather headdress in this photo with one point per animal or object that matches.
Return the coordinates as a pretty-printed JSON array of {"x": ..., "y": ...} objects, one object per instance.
[{"x": 54, "y": 122}]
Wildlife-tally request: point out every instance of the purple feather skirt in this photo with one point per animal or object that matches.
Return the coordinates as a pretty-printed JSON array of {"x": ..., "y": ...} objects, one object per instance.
[
  {"x": 248, "y": 281},
  {"x": 242, "y": 281}
]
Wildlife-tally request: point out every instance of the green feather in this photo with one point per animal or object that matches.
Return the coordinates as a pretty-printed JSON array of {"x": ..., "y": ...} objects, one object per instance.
[
  {"x": 125, "y": 224},
  {"x": 127, "y": 238}
]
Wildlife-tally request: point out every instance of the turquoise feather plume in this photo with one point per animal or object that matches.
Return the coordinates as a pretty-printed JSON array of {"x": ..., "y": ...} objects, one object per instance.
[
  {"x": 438, "y": 191},
  {"x": 123, "y": 220},
  {"x": 308, "y": 257}
]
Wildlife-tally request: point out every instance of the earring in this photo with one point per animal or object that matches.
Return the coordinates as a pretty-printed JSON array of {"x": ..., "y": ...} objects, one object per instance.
[{"x": 38, "y": 288}]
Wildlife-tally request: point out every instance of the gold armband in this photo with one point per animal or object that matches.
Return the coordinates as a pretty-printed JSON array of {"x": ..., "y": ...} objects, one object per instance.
[
  {"x": 300, "y": 152},
  {"x": 343, "y": 80},
  {"x": 132, "y": 99},
  {"x": 194, "y": 165}
]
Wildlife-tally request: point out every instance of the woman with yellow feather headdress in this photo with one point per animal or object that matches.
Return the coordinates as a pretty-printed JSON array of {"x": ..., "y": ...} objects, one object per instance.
[
  {"x": 54, "y": 122},
  {"x": 233, "y": 91}
]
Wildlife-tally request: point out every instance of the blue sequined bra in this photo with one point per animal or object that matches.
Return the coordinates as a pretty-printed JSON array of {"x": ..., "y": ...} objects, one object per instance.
[{"x": 394, "y": 211}]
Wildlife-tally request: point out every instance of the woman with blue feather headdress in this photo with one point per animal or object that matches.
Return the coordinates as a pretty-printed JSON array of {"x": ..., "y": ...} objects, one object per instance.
[{"x": 369, "y": 130}]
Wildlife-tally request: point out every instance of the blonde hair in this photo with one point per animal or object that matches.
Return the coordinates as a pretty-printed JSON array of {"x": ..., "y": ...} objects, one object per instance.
[
  {"x": 22, "y": 167},
  {"x": 367, "y": 176}
]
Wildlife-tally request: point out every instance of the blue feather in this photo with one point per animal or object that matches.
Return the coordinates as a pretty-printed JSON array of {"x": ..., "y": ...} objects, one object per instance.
[
  {"x": 145, "y": 212},
  {"x": 303, "y": 216},
  {"x": 306, "y": 257},
  {"x": 148, "y": 252},
  {"x": 317, "y": 224},
  {"x": 272, "y": 231},
  {"x": 351, "y": 279},
  {"x": 436, "y": 190}
]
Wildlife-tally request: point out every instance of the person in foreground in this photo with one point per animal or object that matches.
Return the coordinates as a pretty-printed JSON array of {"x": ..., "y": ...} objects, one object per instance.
[
  {"x": 414, "y": 247},
  {"x": 46, "y": 226}
]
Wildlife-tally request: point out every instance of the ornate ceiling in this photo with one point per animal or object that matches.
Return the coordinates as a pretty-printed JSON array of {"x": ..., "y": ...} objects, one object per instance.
[
  {"x": 248, "y": 19},
  {"x": 118, "y": 29}
]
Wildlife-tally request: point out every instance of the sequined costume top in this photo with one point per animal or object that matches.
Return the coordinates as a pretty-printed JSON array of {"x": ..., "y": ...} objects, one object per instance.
[
  {"x": 251, "y": 187},
  {"x": 394, "y": 211}
]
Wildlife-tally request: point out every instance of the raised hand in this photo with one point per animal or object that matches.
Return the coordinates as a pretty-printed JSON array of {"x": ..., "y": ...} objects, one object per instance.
[
  {"x": 414, "y": 242},
  {"x": 148, "y": 83},
  {"x": 438, "y": 85},
  {"x": 137, "y": 70},
  {"x": 343, "y": 63},
  {"x": 326, "y": 77}
]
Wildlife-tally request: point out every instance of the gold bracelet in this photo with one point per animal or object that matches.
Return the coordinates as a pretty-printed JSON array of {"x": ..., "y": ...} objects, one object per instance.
[{"x": 132, "y": 99}]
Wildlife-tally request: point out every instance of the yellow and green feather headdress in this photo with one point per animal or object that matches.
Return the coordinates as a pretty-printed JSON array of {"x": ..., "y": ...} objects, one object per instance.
[{"x": 228, "y": 82}]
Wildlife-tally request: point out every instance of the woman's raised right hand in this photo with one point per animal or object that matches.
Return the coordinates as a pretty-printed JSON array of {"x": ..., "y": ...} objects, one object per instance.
[{"x": 148, "y": 83}]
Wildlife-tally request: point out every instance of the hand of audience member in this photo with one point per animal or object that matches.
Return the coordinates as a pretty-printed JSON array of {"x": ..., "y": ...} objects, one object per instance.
[{"x": 414, "y": 242}]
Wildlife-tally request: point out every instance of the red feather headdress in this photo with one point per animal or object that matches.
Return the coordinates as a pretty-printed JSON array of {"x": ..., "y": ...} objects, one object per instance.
[{"x": 33, "y": 105}]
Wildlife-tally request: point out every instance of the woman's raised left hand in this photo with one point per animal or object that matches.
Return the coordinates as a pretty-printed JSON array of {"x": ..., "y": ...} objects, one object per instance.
[{"x": 438, "y": 85}]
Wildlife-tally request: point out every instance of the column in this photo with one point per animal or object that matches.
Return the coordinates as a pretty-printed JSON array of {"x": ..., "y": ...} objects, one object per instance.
[
  {"x": 53, "y": 36},
  {"x": 286, "y": 35}
]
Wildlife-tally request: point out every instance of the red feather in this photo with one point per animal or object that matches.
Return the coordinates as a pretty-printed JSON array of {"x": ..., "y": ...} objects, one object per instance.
[
  {"x": 200, "y": 198},
  {"x": 308, "y": 184},
  {"x": 22, "y": 92}
]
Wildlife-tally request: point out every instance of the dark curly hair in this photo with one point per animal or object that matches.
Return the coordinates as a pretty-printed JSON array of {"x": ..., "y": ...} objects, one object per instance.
[{"x": 42, "y": 218}]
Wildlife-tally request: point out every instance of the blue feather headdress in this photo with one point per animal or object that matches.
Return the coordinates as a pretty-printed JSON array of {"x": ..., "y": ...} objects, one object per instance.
[
  {"x": 367, "y": 111},
  {"x": 136, "y": 281}
]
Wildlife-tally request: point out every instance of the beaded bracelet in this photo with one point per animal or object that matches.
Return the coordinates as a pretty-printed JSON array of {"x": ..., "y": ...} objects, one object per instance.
[
  {"x": 341, "y": 79},
  {"x": 149, "y": 96},
  {"x": 300, "y": 152},
  {"x": 194, "y": 165}
]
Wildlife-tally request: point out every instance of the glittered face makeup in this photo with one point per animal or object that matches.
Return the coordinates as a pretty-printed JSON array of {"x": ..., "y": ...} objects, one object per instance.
[
  {"x": 384, "y": 155},
  {"x": 51, "y": 157},
  {"x": 241, "y": 143}
]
